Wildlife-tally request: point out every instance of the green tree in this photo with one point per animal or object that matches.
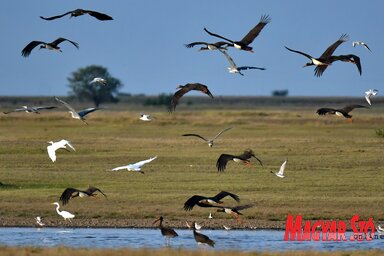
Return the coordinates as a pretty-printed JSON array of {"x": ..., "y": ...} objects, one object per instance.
[{"x": 79, "y": 82}]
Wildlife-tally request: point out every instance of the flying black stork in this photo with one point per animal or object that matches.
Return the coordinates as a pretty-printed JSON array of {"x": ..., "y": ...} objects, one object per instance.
[
  {"x": 209, "y": 141},
  {"x": 168, "y": 233},
  {"x": 79, "y": 12},
  {"x": 243, "y": 158},
  {"x": 319, "y": 70},
  {"x": 201, "y": 238},
  {"x": 49, "y": 46},
  {"x": 344, "y": 112},
  {"x": 324, "y": 60},
  {"x": 74, "y": 192},
  {"x": 186, "y": 88},
  {"x": 234, "y": 211},
  {"x": 204, "y": 201},
  {"x": 243, "y": 44},
  {"x": 209, "y": 46}
]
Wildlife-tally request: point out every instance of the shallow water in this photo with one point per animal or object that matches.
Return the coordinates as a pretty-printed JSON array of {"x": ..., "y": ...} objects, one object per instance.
[{"x": 242, "y": 240}]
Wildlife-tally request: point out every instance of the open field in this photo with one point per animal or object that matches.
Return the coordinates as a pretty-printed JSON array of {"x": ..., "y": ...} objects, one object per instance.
[{"x": 335, "y": 168}]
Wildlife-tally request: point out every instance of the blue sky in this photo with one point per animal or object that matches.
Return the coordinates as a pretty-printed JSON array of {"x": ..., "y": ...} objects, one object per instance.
[{"x": 144, "y": 45}]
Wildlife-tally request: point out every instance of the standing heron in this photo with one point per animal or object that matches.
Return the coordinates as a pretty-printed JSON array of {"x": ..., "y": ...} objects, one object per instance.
[
  {"x": 62, "y": 144},
  {"x": 66, "y": 215},
  {"x": 186, "y": 88},
  {"x": 243, "y": 158},
  {"x": 74, "y": 192},
  {"x": 167, "y": 232},
  {"x": 49, "y": 46},
  {"x": 201, "y": 238},
  {"x": 210, "y": 141},
  {"x": 77, "y": 115},
  {"x": 79, "y": 12}
]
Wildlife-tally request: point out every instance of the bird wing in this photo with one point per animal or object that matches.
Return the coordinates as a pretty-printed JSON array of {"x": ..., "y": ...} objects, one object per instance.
[
  {"x": 55, "y": 17},
  {"x": 51, "y": 153},
  {"x": 222, "y": 161},
  {"x": 319, "y": 70},
  {"x": 223, "y": 194},
  {"x": 366, "y": 46},
  {"x": 242, "y": 207},
  {"x": 43, "y": 107},
  {"x": 324, "y": 111},
  {"x": 190, "y": 203},
  {"x": 67, "y": 194},
  {"x": 367, "y": 97},
  {"x": 351, "y": 107},
  {"x": 28, "y": 49},
  {"x": 195, "y": 43},
  {"x": 61, "y": 39},
  {"x": 66, "y": 105},
  {"x": 348, "y": 58},
  {"x": 248, "y": 38},
  {"x": 216, "y": 35},
  {"x": 248, "y": 67},
  {"x": 69, "y": 145},
  {"x": 196, "y": 135},
  {"x": 15, "y": 110},
  {"x": 91, "y": 190},
  {"x": 230, "y": 60},
  {"x": 329, "y": 51},
  {"x": 120, "y": 167},
  {"x": 141, "y": 163},
  {"x": 200, "y": 87},
  {"x": 217, "y": 135},
  {"x": 99, "y": 15},
  {"x": 282, "y": 168},
  {"x": 176, "y": 97},
  {"x": 302, "y": 53},
  {"x": 86, "y": 111}
]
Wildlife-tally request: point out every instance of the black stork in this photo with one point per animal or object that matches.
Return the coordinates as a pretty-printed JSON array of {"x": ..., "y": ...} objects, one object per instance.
[
  {"x": 186, "y": 88},
  {"x": 344, "y": 112},
  {"x": 30, "y": 109},
  {"x": 49, "y": 46},
  {"x": 168, "y": 233},
  {"x": 74, "y": 192},
  {"x": 209, "y": 46},
  {"x": 79, "y": 12},
  {"x": 201, "y": 238},
  {"x": 234, "y": 211},
  {"x": 327, "y": 59},
  {"x": 243, "y": 44},
  {"x": 204, "y": 201},
  {"x": 243, "y": 158},
  {"x": 209, "y": 141}
]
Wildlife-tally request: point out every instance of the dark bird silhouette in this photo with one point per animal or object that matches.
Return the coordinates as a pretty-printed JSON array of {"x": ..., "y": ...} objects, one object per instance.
[
  {"x": 204, "y": 201},
  {"x": 186, "y": 88},
  {"x": 243, "y": 158},
  {"x": 209, "y": 46},
  {"x": 243, "y": 44},
  {"x": 79, "y": 12},
  {"x": 49, "y": 46},
  {"x": 74, "y": 192},
  {"x": 324, "y": 59},
  {"x": 234, "y": 211},
  {"x": 319, "y": 70},
  {"x": 30, "y": 109},
  {"x": 210, "y": 141},
  {"x": 339, "y": 112},
  {"x": 167, "y": 232},
  {"x": 201, "y": 238}
]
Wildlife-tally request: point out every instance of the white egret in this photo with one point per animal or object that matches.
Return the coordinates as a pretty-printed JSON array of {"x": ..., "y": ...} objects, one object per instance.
[
  {"x": 57, "y": 145},
  {"x": 136, "y": 166},
  {"x": 66, "y": 215},
  {"x": 77, "y": 115},
  {"x": 369, "y": 94}
]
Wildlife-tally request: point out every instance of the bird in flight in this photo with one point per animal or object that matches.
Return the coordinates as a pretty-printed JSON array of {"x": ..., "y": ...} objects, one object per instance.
[
  {"x": 49, "y": 46},
  {"x": 209, "y": 46},
  {"x": 243, "y": 158},
  {"x": 346, "y": 58},
  {"x": 354, "y": 43},
  {"x": 30, "y": 109},
  {"x": 235, "y": 69},
  {"x": 79, "y": 12},
  {"x": 243, "y": 44},
  {"x": 369, "y": 94},
  {"x": 280, "y": 173},
  {"x": 186, "y": 88},
  {"x": 340, "y": 112},
  {"x": 210, "y": 141},
  {"x": 99, "y": 80},
  {"x": 77, "y": 115},
  {"x": 204, "y": 201},
  {"x": 136, "y": 166},
  {"x": 74, "y": 192},
  {"x": 62, "y": 144},
  {"x": 234, "y": 211}
]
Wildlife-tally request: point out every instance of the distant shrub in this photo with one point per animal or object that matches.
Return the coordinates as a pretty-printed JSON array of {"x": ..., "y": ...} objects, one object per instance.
[
  {"x": 162, "y": 99},
  {"x": 380, "y": 132}
]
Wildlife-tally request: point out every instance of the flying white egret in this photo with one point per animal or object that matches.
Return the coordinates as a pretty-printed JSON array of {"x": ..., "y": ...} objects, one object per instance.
[
  {"x": 210, "y": 141},
  {"x": 354, "y": 43},
  {"x": 66, "y": 215},
  {"x": 369, "y": 94},
  {"x": 280, "y": 173},
  {"x": 99, "y": 80},
  {"x": 145, "y": 117},
  {"x": 136, "y": 166},
  {"x": 39, "y": 221},
  {"x": 77, "y": 115},
  {"x": 57, "y": 145},
  {"x": 30, "y": 109}
]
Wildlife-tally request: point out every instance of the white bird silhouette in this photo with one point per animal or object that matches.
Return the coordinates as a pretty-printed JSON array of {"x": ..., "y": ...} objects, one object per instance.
[
  {"x": 210, "y": 216},
  {"x": 57, "y": 145},
  {"x": 30, "y": 109},
  {"x": 99, "y": 80},
  {"x": 145, "y": 117},
  {"x": 136, "y": 166},
  {"x": 235, "y": 69},
  {"x": 369, "y": 94},
  {"x": 210, "y": 141},
  {"x": 226, "y": 228},
  {"x": 66, "y": 215},
  {"x": 354, "y": 43},
  {"x": 77, "y": 115},
  {"x": 39, "y": 221},
  {"x": 380, "y": 230},
  {"x": 280, "y": 173}
]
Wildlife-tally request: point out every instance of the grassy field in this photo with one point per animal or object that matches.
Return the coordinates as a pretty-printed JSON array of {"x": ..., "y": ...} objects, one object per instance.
[{"x": 335, "y": 168}]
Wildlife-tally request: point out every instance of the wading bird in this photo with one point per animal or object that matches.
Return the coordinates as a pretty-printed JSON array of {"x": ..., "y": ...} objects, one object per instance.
[
  {"x": 39, "y": 221},
  {"x": 243, "y": 44},
  {"x": 79, "y": 12},
  {"x": 30, "y": 109},
  {"x": 99, "y": 80},
  {"x": 189, "y": 226},
  {"x": 58, "y": 145},
  {"x": 77, "y": 115},
  {"x": 210, "y": 141},
  {"x": 186, "y": 88},
  {"x": 369, "y": 94},
  {"x": 202, "y": 239},
  {"x": 135, "y": 167},
  {"x": 354, "y": 43},
  {"x": 280, "y": 173},
  {"x": 49, "y": 46},
  {"x": 243, "y": 158},
  {"x": 235, "y": 69},
  {"x": 145, "y": 117},
  {"x": 66, "y": 215},
  {"x": 74, "y": 192},
  {"x": 209, "y": 46},
  {"x": 168, "y": 233},
  {"x": 323, "y": 60},
  {"x": 234, "y": 211},
  {"x": 339, "y": 112},
  {"x": 204, "y": 201}
]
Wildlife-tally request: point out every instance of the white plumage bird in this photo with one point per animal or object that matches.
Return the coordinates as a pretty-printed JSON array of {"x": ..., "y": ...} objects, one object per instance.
[
  {"x": 77, "y": 115},
  {"x": 136, "y": 166},
  {"x": 99, "y": 80},
  {"x": 369, "y": 94},
  {"x": 280, "y": 173},
  {"x": 39, "y": 221},
  {"x": 233, "y": 68},
  {"x": 66, "y": 215},
  {"x": 354, "y": 43},
  {"x": 145, "y": 117},
  {"x": 380, "y": 230},
  {"x": 57, "y": 145}
]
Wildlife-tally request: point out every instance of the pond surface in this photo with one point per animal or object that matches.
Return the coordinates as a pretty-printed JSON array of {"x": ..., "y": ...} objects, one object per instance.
[{"x": 242, "y": 240}]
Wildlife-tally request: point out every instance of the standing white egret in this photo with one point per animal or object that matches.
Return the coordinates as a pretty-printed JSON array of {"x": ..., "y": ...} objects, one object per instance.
[
  {"x": 77, "y": 115},
  {"x": 369, "y": 94},
  {"x": 99, "y": 80},
  {"x": 280, "y": 173},
  {"x": 57, "y": 145},
  {"x": 135, "y": 167},
  {"x": 66, "y": 215}
]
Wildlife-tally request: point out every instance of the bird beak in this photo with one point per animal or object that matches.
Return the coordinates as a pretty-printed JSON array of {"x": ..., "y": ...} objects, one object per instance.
[{"x": 156, "y": 221}]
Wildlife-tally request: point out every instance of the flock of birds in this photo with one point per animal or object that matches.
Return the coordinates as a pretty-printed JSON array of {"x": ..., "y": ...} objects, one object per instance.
[{"x": 321, "y": 64}]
